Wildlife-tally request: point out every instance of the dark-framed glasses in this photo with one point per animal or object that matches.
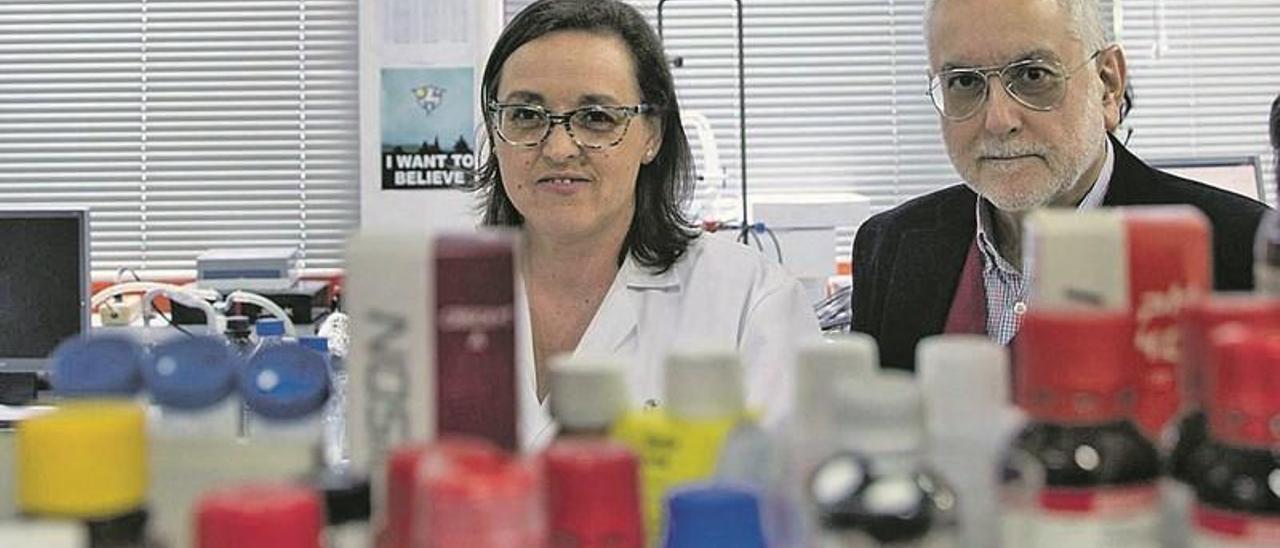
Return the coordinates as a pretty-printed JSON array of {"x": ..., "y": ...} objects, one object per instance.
[
  {"x": 593, "y": 126},
  {"x": 1038, "y": 84}
]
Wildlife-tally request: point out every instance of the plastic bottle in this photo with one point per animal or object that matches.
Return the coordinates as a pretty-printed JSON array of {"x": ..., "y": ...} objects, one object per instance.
[
  {"x": 588, "y": 394},
  {"x": 810, "y": 434},
  {"x": 395, "y": 513},
  {"x": 704, "y": 515},
  {"x": 259, "y": 516},
  {"x": 196, "y": 449},
  {"x": 593, "y": 495},
  {"x": 478, "y": 500},
  {"x": 192, "y": 380},
  {"x": 335, "y": 452},
  {"x": 682, "y": 443},
  {"x": 1080, "y": 474},
  {"x": 1187, "y": 446},
  {"x": 98, "y": 366},
  {"x": 285, "y": 387},
  {"x": 1238, "y": 491},
  {"x": 877, "y": 491},
  {"x": 969, "y": 417},
  {"x": 86, "y": 462}
]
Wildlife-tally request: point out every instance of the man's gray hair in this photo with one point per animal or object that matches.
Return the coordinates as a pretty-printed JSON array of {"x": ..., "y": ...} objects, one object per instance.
[{"x": 1086, "y": 22}]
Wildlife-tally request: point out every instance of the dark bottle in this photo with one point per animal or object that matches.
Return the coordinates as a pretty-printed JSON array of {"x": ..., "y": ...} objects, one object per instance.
[
  {"x": 1080, "y": 474},
  {"x": 1188, "y": 449},
  {"x": 1238, "y": 492}
]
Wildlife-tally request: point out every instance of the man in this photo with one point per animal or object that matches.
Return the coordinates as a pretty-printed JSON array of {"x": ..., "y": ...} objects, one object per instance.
[{"x": 1028, "y": 92}]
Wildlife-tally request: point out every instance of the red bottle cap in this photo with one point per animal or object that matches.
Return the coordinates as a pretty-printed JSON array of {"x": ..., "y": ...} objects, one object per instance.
[
  {"x": 403, "y": 465},
  {"x": 1244, "y": 406},
  {"x": 260, "y": 516},
  {"x": 593, "y": 495},
  {"x": 1076, "y": 366},
  {"x": 1200, "y": 318},
  {"x": 478, "y": 500}
]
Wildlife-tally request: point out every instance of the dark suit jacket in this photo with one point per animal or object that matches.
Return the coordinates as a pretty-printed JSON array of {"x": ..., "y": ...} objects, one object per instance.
[{"x": 907, "y": 261}]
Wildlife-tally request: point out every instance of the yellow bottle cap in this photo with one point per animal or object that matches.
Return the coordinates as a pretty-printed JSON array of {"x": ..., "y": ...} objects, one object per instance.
[{"x": 84, "y": 460}]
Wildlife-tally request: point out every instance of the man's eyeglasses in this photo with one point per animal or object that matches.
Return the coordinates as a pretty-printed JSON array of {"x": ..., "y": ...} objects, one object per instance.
[
  {"x": 594, "y": 126},
  {"x": 1037, "y": 84}
]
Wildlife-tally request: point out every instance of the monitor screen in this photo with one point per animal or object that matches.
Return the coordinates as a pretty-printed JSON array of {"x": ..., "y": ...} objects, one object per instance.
[
  {"x": 44, "y": 283},
  {"x": 1239, "y": 175}
]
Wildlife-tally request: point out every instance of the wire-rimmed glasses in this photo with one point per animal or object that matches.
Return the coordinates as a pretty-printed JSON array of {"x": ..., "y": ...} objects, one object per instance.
[{"x": 1038, "y": 84}]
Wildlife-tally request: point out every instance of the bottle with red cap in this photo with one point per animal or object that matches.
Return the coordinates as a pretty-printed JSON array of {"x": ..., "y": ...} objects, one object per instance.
[
  {"x": 593, "y": 495},
  {"x": 1188, "y": 450},
  {"x": 478, "y": 500},
  {"x": 1080, "y": 474},
  {"x": 1238, "y": 492},
  {"x": 260, "y": 516},
  {"x": 394, "y": 513}
]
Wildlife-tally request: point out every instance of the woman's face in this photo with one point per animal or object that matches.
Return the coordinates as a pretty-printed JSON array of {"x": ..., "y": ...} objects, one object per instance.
[{"x": 566, "y": 191}]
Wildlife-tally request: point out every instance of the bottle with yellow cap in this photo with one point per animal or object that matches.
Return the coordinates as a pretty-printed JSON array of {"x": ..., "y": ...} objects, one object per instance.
[
  {"x": 87, "y": 462},
  {"x": 682, "y": 442}
]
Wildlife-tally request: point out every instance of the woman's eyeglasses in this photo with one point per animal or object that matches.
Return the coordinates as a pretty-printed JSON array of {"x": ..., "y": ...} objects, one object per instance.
[{"x": 594, "y": 126}]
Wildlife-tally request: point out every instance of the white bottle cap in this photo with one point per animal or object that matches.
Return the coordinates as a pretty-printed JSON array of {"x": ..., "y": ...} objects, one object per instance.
[
  {"x": 880, "y": 413},
  {"x": 965, "y": 381},
  {"x": 704, "y": 384},
  {"x": 820, "y": 364},
  {"x": 587, "y": 392}
]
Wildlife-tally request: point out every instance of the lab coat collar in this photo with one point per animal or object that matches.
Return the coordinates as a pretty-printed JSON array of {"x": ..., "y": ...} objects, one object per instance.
[
  {"x": 638, "y": 276},
  {"x": 616, "y": 320}
]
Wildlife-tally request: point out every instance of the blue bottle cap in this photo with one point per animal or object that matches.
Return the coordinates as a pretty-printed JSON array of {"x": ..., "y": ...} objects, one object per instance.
[
  {"x": 284, "y": 382},
  {"x": 98, "y": 365},
  {"x": 269, "y": 327},
  {"x": 319, "y": 344},
  {"x": 705, "y": 514},
  {"x": 190, "y": 372}
]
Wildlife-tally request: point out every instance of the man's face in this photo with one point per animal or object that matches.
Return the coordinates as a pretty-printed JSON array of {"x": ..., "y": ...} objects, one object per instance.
[{"x": 1016, "y": 157}]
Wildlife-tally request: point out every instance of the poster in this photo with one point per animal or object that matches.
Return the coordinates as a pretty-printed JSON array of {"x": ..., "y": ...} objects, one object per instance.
[{"x": 428, "y": 128}]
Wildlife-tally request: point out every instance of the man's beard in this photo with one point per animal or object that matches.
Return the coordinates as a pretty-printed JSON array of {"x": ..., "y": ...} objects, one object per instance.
[{"x": 1066, "y": 162}]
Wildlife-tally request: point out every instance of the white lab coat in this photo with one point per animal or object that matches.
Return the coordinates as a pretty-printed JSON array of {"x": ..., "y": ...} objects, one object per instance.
[{"x": 720, "y": 294}]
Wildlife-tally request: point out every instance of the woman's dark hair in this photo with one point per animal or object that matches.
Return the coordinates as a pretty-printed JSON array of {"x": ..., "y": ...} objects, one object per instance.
[
  {"x": 1275, "y": 138},
  {"x": 659, "y": 231},
  {"x": 1275, "y": 124}
]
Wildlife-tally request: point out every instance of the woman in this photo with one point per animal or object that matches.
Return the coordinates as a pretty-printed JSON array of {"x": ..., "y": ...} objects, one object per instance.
[{"x": 590, "y": 160}]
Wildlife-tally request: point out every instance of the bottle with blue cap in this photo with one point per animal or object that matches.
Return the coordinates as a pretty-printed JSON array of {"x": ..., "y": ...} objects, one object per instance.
[
  {"x": 269, "y": 332},
  {"x": 285, "y": 388},
  {"x": 709, "y": 515},
  {"x": 191, "y": 381},
  {"x": 99, "y": 366}
]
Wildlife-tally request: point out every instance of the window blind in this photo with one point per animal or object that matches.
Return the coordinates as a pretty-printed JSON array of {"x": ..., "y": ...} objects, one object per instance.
[
  {"x": 184, "y": 124},
  {"x": 836, "y": 88},
  {"x": 1204, "y": 76}
]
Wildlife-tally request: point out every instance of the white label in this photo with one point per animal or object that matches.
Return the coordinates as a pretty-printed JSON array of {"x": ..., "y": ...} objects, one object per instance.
[{"x": 1084, "y": 518}]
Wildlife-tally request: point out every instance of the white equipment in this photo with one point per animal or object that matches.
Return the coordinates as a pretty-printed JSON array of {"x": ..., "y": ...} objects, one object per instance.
[{"x": 257, "y": 269}]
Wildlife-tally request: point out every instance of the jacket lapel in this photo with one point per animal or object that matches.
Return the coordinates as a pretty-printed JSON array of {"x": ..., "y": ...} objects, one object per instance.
[
  {"x": 924, "y": 274},
  {"x": 1130, "y": 178}
]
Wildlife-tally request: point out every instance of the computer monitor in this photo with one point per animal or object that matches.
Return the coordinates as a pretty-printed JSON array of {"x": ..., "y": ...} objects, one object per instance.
[
  {"x": 1242, "y": 175},
  {"x": 44, "y": 283}
]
